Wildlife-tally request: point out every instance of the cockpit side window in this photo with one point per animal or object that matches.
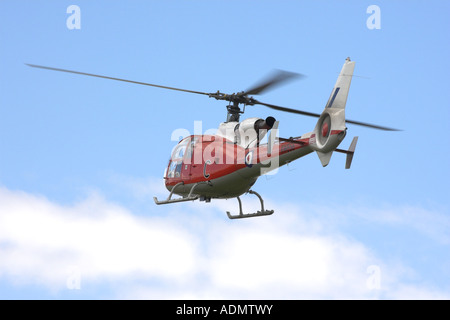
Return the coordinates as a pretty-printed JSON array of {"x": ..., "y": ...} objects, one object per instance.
[{"x": 176, "y": 161}]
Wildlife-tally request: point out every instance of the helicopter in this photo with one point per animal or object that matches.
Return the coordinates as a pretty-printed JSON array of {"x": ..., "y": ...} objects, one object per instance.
[{"x": 227, "y": 164}]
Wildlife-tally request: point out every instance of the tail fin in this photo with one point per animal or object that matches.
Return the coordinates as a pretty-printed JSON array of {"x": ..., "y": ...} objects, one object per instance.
[
  {"x": 350, "y": 152},
  {"x": 338, "y": 97},
  {"x": 330, "y": 129}
]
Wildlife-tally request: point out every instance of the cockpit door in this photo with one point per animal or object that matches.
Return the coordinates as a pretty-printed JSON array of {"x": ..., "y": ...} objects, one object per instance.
[{"x": 188, "y": 160}]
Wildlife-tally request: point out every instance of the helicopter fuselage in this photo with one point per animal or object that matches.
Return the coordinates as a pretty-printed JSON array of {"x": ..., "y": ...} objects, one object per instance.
[{"x": 222, "y": 168}]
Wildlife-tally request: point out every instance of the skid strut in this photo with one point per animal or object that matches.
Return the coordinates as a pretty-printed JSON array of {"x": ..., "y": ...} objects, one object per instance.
[
  {"x": 190, "y": 197},
  {"x": 249, "y": 215}
]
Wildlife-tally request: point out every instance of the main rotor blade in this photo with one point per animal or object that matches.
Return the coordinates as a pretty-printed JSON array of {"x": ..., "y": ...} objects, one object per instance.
[
  {"x": 305, "y": 113},
  {"x": 317, "y": 115},
  {"x": 118, "y": 79},
  {"x": 275, "y": 79},
  {"x": 374, "y": 126}
]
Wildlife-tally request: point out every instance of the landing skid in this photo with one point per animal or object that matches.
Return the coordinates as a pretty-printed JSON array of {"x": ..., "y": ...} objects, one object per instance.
[
  {"x": 241, "y": 214},
  {"x": 190, "y": 197}
]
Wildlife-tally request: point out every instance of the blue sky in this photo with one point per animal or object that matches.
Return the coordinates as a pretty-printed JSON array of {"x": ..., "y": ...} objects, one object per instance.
[{"x": 81, "y": 158}]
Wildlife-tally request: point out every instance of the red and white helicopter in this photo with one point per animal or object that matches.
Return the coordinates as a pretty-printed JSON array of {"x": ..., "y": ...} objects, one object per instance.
[{"x": 227, "y": 164}]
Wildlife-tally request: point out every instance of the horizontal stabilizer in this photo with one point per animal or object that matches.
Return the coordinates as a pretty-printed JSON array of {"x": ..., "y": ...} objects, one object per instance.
[{"x": 350, "y": 152}]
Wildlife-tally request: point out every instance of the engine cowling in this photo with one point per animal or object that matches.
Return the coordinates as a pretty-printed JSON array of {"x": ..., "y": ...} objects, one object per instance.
[{"x": 251, "y": 131}]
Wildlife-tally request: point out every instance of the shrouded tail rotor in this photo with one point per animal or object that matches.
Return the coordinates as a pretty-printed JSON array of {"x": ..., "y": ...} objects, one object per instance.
[{"x": 331, "y": 129}]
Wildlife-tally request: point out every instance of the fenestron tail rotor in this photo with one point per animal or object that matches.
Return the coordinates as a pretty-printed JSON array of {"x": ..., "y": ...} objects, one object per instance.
[{"x": 275, "y": 79}]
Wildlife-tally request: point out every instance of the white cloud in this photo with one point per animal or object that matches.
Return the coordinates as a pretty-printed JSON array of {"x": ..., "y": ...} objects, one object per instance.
[
  {"x": 139, "y": 188},
  {"x": 417, "y": 292},
  {"x": 197, "y": 253},
  {"x": 40, "y": 240},
  {"x": 432, "y": 223}
]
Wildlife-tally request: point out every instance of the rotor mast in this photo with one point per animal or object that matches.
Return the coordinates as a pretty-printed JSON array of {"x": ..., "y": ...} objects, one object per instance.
[{"x": 234, "y": 112}]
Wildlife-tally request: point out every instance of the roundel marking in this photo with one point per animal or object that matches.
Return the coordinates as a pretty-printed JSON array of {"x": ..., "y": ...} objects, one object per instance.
[{"x": 248, "y": 159}]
